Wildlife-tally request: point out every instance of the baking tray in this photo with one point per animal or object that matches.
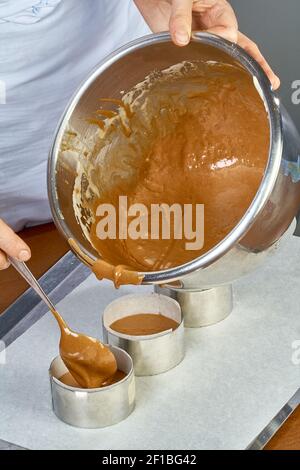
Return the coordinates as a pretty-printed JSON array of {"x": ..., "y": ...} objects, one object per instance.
[{"x": 262, "y": 387}]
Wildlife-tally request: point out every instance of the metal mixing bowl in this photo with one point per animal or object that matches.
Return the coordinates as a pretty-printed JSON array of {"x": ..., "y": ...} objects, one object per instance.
[{"x": 277, "y": 199}]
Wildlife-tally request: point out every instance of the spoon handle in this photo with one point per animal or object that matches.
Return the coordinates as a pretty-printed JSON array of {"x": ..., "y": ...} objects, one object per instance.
[{"x": 32, "y": 281}]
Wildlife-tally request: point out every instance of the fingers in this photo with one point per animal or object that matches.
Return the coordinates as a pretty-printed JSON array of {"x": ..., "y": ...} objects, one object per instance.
[
  {"x": 254, "y": 51},
  {"x": 13, "y": 245},
  {"x": 4, "y": 263},
  {"x": 181, "y": 21},
  {"x": 226, "y": 32},
  {"x": 221, "y": 20},
  {"x": 156, "y": 13},
  {"x": 217, "y": 17}
]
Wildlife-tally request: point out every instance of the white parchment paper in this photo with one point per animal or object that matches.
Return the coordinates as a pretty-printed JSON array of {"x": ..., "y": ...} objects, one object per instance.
[{"x": 235, "y": 377}]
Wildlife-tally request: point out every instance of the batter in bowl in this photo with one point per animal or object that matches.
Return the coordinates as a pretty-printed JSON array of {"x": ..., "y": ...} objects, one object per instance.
[{"x": 196, "y": 133}]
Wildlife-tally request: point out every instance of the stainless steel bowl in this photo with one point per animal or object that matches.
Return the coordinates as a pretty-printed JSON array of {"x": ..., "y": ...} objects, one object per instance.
[{"x": 274, "y": 206}]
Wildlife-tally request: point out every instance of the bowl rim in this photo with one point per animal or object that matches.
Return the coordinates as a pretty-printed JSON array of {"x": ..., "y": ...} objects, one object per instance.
[{"x": 272, "y": 105}]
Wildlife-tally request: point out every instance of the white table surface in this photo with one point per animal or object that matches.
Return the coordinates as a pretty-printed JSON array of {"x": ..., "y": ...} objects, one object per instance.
[{"x": 235, "y": 377}]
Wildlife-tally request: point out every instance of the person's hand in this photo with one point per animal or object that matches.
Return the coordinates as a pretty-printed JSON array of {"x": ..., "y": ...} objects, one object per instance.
[
  {"x": 214, "y": 16},
  {"x": 12, "y": 245}
]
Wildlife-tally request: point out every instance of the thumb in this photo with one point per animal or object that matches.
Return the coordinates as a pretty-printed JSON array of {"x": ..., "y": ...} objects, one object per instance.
[
  {"x": 13, "y": 245},
  {"x": 181, "y": 21}
]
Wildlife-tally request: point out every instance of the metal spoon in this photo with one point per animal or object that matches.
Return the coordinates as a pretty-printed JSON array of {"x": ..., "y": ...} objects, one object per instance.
[{"x": 89, "y": 361}]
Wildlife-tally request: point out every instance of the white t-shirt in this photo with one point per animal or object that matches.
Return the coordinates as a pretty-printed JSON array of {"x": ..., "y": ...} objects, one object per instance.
[{"x": 47, "y": 47}]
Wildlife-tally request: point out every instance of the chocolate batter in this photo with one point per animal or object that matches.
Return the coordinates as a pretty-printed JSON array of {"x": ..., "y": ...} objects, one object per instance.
[
  {"x": 120, "y": 275},
  {"x": 142, "y": 324},
  {"x": 196, "y": 133},
  {"x": 69, "y": 380},
  {"x": 90, "y": 363}
]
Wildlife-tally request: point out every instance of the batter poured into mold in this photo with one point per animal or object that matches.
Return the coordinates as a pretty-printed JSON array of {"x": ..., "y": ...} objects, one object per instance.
[
  {"x": 196, "y": 133},
  {"x": 142, "y": 324},
  {"x": 69, "y": 380}
]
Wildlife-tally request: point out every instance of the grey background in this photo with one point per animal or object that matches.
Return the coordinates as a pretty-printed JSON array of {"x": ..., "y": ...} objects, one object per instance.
[{"x": 274, "y": 26}]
